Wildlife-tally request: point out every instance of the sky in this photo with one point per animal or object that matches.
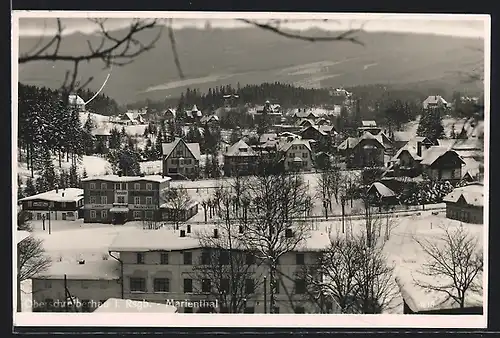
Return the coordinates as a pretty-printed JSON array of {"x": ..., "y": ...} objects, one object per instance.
[{"x": 451, "y": 25}]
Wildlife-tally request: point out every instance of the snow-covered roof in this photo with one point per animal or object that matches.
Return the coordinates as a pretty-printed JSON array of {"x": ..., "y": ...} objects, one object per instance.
[
  {"x": 381, "y": 189},
  {"x": 411, "y": 148},
  {"x": 208, "y": 118},
  {"x": 240, "y": 148},
  {"x": 368, "y": 123},
  {"x": 473, "y": 194},
  {"x": 268, "y": 136},
  {"x": 117, "y": 305},
  {"x": 286, "y": 146},
  {"x": 169, "y": 240},
  {"x": 434, "y": 99},
  {"x": 75, "y": 99},
  {"x": 61, "y": 195},
  {"x": 471, "y": 166},
  {"x": 21, "y": 235},
  {"x": 193, "y": 147},
  {"x": 91, "y": 270},
  {"x": 116, "y": 178},
  {"x": 429, "y": 156}
]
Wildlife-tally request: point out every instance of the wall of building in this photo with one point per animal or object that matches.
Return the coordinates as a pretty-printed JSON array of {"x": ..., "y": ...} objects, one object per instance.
[
  {"x": 46, "y": 291},
  {"x": 464, "y": 213},
  {"x": 243, "y": 165},
  {"x": 54, "y": 215},
  {"x": 176, "y": 272},
  {"x": 299, "y": 150},
  {"x": 188, "y": 167}
]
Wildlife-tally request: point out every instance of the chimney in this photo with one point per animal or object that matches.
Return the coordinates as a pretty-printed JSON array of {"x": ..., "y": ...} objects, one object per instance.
[
  {"x": 183, "y": 233},
  {"x": 288, "y": 233},
  {"x": 188, "y": 230},
  {"x": 81, "y": 261},
  {"x": 216, "y": 233},
  {"x": 419, "y": 148}
]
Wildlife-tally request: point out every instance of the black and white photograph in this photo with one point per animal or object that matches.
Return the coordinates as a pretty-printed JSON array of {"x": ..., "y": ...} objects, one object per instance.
[{"x": 250, "y": 169}]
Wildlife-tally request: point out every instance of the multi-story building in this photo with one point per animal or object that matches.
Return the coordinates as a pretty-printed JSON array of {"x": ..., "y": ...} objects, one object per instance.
[
  {"x": 117, "y": 199},
  {"x": 161, "y": 266},
  {"x": 57, "y": 204},
  {"x": 297, "y": 155},
  {"x": 240, "y": 159},
  {"x": 181, "y": 160}
]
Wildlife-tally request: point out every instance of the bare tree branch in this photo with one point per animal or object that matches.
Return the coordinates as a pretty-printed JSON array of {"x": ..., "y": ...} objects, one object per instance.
[
  {"x": 275, "y": 28},
  {"x": 174, "y": 49},
  {"x": 110, "y": 50}
]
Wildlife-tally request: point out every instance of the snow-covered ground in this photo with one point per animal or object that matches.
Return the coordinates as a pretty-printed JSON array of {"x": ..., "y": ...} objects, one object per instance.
[
  {"x": 94, "y": 165},
  {"x": 448, "y": 122}
]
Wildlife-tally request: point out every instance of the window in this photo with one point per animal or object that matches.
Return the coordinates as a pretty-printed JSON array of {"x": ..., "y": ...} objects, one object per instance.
[
  {"x": 187, "y": 161},
  {"x": 299, "y": 309},
  {"x": 290, "y": 155},
  {"x": 206, "y": 285},
  {"x": 93, "y": 200},
  {"x": 175, "y": 161},
  {"x": 249, "y": 309},
  {"x": 104, "y": 199},
  {"x": 149, "y": 200},
  {"x": 188, "y": 310},
  {"x": 149, "y": 186},
  {"x": 164, "y": 258},
  {"x": 104, "y": 186},
  {"x": 300, "y": 286},
  {"x": 63, "y": 204},
  {"x": 137, "y": 186},
  {"x": 249, "y": 286},
  {"x": 30, "y": 204},
  {"x": 137, "y": 200},
  {"x": 149, "y": 214},
  {"x": 140, "y": 258},
  {"x": 188, "y": 258},
  {"x": 137, "y": 214},
  {"x": 104, "y": 214},
  {"x": 205, "y": 257},
  {"x": 137, "y": 284},
  {"x": 224, "y": 285},
  {"x": 124, "y": 186},
  {"x": 161, "y": 285},
  {"x": 188, "y": 285},
  {"x": 299, "y": 259},
  {"x": 121, "y": 199},
  {"x": 92, "y": 214},
  {"x": 224, "y": 257},
  {"x": 92, "y": 186},
  {"x": 250, "y": 259},
  {"x": 117, "y": 186},
  {"x": 304, "y": 155},
  {"x": 178, "y": 153}
]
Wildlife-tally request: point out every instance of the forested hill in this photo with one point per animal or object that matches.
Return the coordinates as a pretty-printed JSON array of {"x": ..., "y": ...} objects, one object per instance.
[{"x": 216, "y": 57}]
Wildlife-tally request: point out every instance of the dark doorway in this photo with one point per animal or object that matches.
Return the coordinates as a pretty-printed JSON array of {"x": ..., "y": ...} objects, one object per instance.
[{"x": 119, "y": 218}]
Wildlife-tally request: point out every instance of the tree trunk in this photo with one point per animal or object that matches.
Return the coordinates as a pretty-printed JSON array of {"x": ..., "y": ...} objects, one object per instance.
[{"x": 271, "y": 288}]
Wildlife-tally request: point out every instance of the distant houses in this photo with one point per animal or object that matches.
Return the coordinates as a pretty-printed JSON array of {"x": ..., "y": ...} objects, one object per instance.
[
  {"x": 59, "y": 204},
  {"x": 435, "y": 101},
  {"x": 181, "y": 160}
]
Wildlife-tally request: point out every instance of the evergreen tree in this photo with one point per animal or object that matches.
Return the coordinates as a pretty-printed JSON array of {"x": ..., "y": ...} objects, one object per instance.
[
  {"x": 47, "y": 175},
  {"x": 73, "y": 179},
  {"x": 63, "y": 179},
  {"x": 20, "y": 191},
  {"x": 29, "y": 189},
  {"x": 125, "y": 161},
  {"x": 159, "y": 144},
  {"x": 431, "y": 125},
  {"x": 114, "y": 139},
  {"x": 88, "y": 138},
  {"x": 193, "y": 135}
]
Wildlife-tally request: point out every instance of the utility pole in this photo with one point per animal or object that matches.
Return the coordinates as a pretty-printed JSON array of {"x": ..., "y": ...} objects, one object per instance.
[
  {"x": 49, "y": 220},
  {"x": 66, "y": 293}
]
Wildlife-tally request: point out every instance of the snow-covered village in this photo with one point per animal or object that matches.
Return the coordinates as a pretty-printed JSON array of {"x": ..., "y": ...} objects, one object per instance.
[{"x": 266, "y": 197}]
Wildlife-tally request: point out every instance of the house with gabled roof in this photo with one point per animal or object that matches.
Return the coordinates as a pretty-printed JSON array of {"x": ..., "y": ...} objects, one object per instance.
[
  {"x": 194, "y": 114},
  {"x": 434, "y": 101},
  {"x": 240, "y": 159},
  {"x": 132, "y": 117},
  {"x": 442, "y": 163},
  {"x": 209, "y": 119},
  {"x": 297, "y": 155},
  {"x": 76, "y": 101},
  {"x": 466, "y": 203},
  {"x": 181, "y": 160},
  {"x": 365, "y": 151},
  {"x": 169, "y": 114}
]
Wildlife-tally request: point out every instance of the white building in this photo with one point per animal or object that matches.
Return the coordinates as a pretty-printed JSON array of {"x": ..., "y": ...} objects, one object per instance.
[{"x": 57, "y": 204}]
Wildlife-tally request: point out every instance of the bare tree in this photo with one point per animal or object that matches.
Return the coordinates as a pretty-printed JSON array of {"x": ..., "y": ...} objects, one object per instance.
[
  {"x": 227, "y": 270},
  {"x": 454, "y": 262},
  {"x": 177, "y": 202},
  {"x": 356, "y": 277},
  {"x": 272, "y": 228},
  {"x": 329, "y": 182},
  {"x": 112, "y": 49},
  {"x": 32, "y": 258}
]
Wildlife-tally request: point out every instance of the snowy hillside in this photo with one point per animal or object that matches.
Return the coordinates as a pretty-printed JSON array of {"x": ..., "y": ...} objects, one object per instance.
[{"x": 102, "y": 121}]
